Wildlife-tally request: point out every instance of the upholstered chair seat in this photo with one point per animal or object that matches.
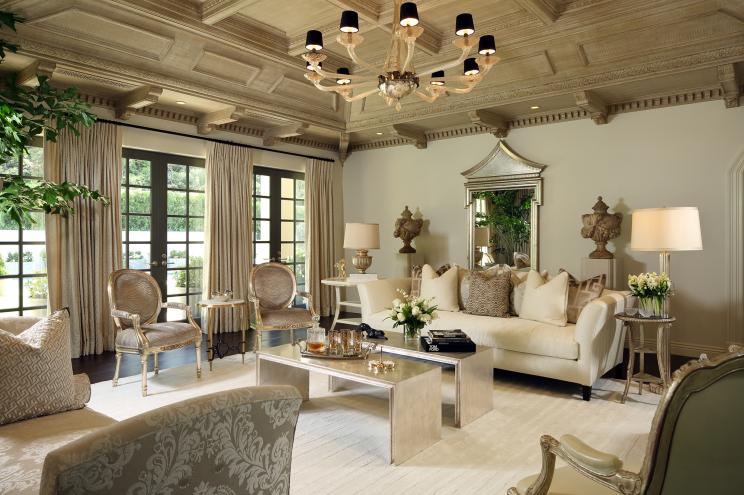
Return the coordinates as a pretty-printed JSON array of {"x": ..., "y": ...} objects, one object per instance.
[
  {"x": 158, "y": 334},
  {"x": 288, "y": 316}
]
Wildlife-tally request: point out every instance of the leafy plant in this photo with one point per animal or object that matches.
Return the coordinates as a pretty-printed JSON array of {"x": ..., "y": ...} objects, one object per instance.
[
  {"x": 37, "y": 287},
  {"x": 26, "y": 112},
  {"x": 509, "y": 217}
]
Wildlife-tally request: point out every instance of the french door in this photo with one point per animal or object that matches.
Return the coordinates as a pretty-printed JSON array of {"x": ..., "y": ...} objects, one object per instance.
[
  {"x": 279, "y": 219},
  {"x": 162, "y": 199}
]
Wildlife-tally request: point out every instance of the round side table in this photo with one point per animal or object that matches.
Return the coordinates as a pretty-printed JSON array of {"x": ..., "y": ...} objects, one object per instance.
[
  {"x": 663, "y": 327},
  {"x": 214, "y": 347}
]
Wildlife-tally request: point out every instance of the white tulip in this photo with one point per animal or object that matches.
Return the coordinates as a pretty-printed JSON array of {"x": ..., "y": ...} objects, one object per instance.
[
  {"x": 401, "y": 317},
  {"x": 396, "y": 303},
  {"x": 416, "y": 311}
]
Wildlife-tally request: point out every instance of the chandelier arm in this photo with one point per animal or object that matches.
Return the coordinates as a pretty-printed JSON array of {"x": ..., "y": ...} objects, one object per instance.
[
  {"x": 334, "y": 75},
  {"x": 447, "y": 65},
  {"x": 361, "y": 63},
  {"x": 339, "y": 88},
  {"x": 360, "y": 96},
  {"x": 410, "y": 47},
  {"x": 425, "y": 97}
]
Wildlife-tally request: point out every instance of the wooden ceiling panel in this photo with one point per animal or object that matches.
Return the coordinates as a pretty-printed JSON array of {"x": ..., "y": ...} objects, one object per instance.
[{"x": 291, "y": 16}]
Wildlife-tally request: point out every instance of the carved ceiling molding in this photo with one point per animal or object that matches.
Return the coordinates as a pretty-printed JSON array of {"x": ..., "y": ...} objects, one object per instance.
[{"x": 706, "y": 59}]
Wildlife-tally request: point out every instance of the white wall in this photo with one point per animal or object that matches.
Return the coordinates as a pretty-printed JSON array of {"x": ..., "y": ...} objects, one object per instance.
[{"x": 677, "y": 156}]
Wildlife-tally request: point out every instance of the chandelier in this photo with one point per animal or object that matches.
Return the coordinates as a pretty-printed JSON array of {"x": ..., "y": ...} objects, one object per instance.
[{"x": 397, "y": 78}]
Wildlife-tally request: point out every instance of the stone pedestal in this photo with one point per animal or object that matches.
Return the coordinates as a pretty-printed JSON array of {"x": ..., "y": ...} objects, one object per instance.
[
  {"x": 612, "y": 268},
  {"x": 404, "y": 262}
]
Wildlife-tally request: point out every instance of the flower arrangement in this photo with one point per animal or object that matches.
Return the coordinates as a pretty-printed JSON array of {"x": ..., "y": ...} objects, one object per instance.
[
  {"x": 414, "y": 313},
  {"x": 652, "y": 290}
]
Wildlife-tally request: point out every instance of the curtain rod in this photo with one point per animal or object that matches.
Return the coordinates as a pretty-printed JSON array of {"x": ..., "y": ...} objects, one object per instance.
[{"x": 183, "y": 134}]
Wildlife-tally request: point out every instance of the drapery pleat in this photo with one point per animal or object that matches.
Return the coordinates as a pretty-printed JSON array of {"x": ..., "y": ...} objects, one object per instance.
[
  {"x": 83, "y": 249},
  {"x": 228, "y": 225},
  {"x": 324, "y": 226}
]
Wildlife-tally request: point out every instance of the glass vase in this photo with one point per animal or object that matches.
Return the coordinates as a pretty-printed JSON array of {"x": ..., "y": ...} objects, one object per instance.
[
  {"x": 652, "y": 306},
  {"x": 411, "y": 332}
]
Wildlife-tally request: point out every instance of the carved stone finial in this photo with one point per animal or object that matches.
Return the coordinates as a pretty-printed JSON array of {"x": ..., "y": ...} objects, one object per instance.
[
  {"x": 601, "y": 227},
  {"x": 407, "y": 229}
]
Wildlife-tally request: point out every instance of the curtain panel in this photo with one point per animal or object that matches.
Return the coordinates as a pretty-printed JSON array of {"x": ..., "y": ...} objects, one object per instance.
[
  {"x": 83, "y": 249},
  {"x": 228, "y": 241},
  {"x": 324, "y": 226}
]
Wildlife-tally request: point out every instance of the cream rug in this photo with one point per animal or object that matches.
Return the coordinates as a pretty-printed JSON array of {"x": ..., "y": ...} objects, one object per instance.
[{"x": 342, "y": 438}]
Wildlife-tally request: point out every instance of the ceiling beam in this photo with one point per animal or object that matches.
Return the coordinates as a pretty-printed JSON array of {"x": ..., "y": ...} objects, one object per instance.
[
  {"x": 367, "y": 10},
  {"x": 486, "y": 118},
  {"x": 729, "y": 85},
  {"x": 274, "y": 134},
  {"x": 592, "y": 104},
  {"x": 136, "y": 98},
  {"x": 545, "y": 10},
  {"x": 213, "y": 11},
  {"x": 343, "y": 147},
  {"x": 209, "y": 121},
  {"x": 29, "y": 75},
  {"x": 412, "y": 133}
]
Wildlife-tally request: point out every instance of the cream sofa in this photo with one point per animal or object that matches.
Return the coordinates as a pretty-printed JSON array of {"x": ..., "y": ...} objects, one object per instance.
[
  {"x": 578, "y": 353},
  {"x": 167, "y": 450}
]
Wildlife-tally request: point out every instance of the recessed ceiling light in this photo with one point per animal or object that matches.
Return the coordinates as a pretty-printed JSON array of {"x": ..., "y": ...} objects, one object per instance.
[
  {"x": 180, "y": 102},
  {"x": 378, "y": 133},
  {"x": 534, "y": 107}
]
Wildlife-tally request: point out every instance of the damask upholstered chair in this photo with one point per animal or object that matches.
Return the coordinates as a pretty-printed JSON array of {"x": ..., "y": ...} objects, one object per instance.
[
  {"x": 273, "y": 289},
  {"x": 695, "y": 445},
  {"x": 136, "y": 302}
]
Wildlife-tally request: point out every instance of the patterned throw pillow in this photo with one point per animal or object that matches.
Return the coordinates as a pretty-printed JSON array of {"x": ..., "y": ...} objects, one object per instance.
[
  {"x": 489, "y": 293},
  {"x": 581, "y": 293},
  {"x": 36, "y": 370}
]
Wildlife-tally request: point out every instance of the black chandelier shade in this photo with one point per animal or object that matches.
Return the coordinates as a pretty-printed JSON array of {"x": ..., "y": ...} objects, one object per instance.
[
  {"x": 471, "y": 67},
  {"x": 343, "y": 80},
  {"x": 349, "y": 22},
  {"x": 464, "y": 25},
  {"x": 408, "y": 14},
  {"x": 487, "y": 45},
  {"x": 314, "y": 40},
  {"x": 439, "y": 73}
]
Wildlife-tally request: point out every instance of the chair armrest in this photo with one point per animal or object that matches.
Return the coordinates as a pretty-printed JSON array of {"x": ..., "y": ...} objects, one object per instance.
[
  {"x": 310, "y": 306},
  {"x": 119, "y": 457},
  {"x": 120, "y": 313},
  {"x": 176, "y": 305},
  {"x": 378, "y": 295},
  {"x": 589, "y": 458}
]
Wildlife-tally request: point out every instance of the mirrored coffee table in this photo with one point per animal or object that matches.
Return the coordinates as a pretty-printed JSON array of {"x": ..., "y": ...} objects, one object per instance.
[{"x": 414, "y": 390}]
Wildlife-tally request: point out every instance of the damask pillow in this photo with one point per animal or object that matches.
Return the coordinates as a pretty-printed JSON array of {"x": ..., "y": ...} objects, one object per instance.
[
  {"x": 36, "y": 371},
  {"x": 581, "y": 293},
  {"x": 489, "y": 293},
  {"x": 545, "y": 301},
  {"x": 443, "y": 289}
]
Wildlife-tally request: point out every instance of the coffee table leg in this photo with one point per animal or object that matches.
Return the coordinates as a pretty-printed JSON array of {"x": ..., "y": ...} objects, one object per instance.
[
  {"x": 473, "y": 388},
  {"x": 272, "y": 373},
  {"x": 415, "y": 415}
]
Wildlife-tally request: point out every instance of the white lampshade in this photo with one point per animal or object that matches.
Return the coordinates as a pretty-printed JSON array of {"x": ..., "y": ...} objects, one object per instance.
[
  {"x": 362, "y": 236},
  {"x": 666, "y": 229},
  {"x": 480, "y": 237}
]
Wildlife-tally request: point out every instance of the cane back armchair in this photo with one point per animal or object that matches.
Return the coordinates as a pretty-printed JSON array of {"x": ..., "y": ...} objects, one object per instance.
[
  {"x": 272, "y": 291},
  {"x": 695, "y": 444},
  {"x": 136, "y": 301}
]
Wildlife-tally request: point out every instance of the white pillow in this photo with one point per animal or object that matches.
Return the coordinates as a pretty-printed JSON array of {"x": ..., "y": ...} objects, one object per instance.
[
  {"x": 442, "y": 289},
  {"x": 545, "y": 301},
  {"x": 518, "y": 279}
]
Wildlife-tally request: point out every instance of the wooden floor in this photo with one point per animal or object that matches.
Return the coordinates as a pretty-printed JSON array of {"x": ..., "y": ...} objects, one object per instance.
[{"x": 101, "y": 367}]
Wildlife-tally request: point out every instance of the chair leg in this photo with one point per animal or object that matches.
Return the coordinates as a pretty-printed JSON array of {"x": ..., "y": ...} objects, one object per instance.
[
  {"x": 258, "y": 341},
  {"x": 143, "y": 361},
  {"x": 291, "y": 336},
  {"x": 198, "y": 358},
  {"x": 155, "y": 362},
  {"x": 115, "y": 381}
]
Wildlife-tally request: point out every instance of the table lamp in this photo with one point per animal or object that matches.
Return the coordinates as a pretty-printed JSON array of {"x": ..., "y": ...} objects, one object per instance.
[
  {"x": 362, "y": 236},
  {"x": 665, "y": 230}
]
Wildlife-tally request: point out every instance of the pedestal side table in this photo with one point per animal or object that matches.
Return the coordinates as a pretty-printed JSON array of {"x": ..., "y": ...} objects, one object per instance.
[
  {"x": 212, "y": 306},
  {"x": 662, "y": 351},
  {"x": 338, "y": 284}
]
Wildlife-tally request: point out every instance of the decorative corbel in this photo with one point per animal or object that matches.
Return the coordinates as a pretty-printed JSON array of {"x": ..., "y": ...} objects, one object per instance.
[
  {"x": 209, "y": 121},
  {"x": 135, "y": 99},
  {"x": 491, "y": 120},
  {"x": 593, "y": 105},
  {"x": 29, "y": 74},
  {"x": 412, "y": 133},
  {"x": 343, "y": 147},
  {"x": 730, "y": 87},
  {"x": 274, "y": 134}
]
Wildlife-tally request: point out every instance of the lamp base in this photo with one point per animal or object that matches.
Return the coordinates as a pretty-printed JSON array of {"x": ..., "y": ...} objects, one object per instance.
[{"x": 361, "y": 261}]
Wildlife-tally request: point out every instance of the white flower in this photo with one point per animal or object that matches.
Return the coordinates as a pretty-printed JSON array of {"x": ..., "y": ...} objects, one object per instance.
[
  {"x": 396, "y": 303},
  {"x": 401, "y": 317},
  {"x": 416, "y": 311},
  {"x": 434, "y": 315},
  {"x": 425, "y": 318}
]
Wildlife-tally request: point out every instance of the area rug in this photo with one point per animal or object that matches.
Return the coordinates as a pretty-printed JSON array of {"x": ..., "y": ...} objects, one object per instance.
[{"x": 341, "y": 443}]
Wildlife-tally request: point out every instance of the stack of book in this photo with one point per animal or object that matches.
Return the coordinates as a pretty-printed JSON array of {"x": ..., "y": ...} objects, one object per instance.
[{"x": 447, "y": 341}]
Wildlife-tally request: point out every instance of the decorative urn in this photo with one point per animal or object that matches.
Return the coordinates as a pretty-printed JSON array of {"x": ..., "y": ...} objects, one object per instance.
[{"x": 601, "y": 227}]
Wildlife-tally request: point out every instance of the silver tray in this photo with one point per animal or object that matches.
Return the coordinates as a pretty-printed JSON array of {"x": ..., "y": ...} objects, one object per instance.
[{"x": 367, "y": 348}]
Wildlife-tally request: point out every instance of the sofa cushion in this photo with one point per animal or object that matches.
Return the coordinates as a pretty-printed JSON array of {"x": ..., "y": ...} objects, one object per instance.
[
  {"x": 581, "y": 293},
  {"x": 512, "y": 334},
  {"x": 25, "y": 444},
  {"x": 545, "y": 301},
  {"x": 443, "y": 289},
  {"x": 489, "y": 294}
]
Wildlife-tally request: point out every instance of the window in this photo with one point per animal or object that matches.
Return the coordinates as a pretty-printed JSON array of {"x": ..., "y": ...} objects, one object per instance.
[
  {"x": 163, "y": 222},
  {"x": 23, "y": 263},
  {"x": 279, "y": 219}
]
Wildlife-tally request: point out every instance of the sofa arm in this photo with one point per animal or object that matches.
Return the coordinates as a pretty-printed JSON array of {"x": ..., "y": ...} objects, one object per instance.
[
  {"x": 206, "y": 441},
  {"x": 378, "y": 295},
  {"x": 600, "y": 335},
  {"x": 17, "y": 324}
]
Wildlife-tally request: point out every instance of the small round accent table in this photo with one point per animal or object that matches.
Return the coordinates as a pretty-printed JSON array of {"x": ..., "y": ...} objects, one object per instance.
[
  {"x": 217, "y": 347},
  {"x": 663, "y": 328}
]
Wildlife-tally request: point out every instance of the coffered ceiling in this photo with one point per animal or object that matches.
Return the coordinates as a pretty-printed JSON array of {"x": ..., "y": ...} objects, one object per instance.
[{"x": 235, "y": 64}]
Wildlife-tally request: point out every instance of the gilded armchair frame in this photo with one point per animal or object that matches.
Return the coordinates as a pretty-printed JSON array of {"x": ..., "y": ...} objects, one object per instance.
[
  {"x": 145, "y": 348},
  {"x": 254, "y": 301},
  {"x": 606, "y": 469}
]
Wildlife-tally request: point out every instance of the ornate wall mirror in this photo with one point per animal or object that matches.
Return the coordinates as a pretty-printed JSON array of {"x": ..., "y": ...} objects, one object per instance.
[{"x": 503, "y": 193}]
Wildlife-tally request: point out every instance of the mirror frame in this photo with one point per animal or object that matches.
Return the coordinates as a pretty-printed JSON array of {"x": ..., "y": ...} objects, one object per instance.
[{"x": 503, "y": 169}]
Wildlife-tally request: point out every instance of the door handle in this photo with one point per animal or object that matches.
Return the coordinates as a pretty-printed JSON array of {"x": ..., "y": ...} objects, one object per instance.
[{"x": 153, "y": 263}]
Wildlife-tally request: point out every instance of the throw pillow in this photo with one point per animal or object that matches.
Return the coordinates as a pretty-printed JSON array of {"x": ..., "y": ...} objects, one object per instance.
[
  {"x": 489, "y": 293},
  {"x": 415, "y": 281},
  {"x": 581, "y": 293},
  {"x": 443, "y": 289},
  {"x": 518, "y": 280},
  {"x": 36, "y": 370},
  {"x": 545, "y": 301}
]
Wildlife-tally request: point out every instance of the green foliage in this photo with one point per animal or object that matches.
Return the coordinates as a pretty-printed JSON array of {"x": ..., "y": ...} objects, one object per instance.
[
  {"x": 37, "y": 287},
  {"x": 194, "y": 280},
  {"x": 26, "y": 112},
  {"x": 509, "y": 217},
  {"x": 12, "y": 257},
  {"x": 3, "y": 270}
]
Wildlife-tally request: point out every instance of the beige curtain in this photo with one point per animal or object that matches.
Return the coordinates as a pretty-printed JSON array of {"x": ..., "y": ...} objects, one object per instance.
[
  {"x": 83, "y": 249},
  {"x": 324, "y": 226},
  {"x": 228, "y": 225}
]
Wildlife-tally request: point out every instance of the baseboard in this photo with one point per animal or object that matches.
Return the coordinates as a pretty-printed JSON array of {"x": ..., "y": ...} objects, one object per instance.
[{"x": 690, "y": 350}]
